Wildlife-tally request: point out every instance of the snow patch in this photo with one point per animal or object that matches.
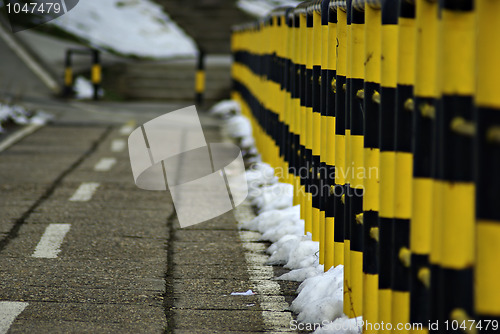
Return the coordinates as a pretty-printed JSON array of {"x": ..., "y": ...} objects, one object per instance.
[
  {"x": 261, "y": 8},
  {"x": 129, "y": 27}
]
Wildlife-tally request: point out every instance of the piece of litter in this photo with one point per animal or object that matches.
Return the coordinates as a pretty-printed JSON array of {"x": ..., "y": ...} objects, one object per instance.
[
  {"x": 248, "y": 293},
  {"x": 249, "y": 305}
]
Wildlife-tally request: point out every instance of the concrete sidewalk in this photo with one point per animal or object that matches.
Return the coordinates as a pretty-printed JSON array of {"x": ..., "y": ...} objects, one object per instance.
[{"x": 125, "y": 265}]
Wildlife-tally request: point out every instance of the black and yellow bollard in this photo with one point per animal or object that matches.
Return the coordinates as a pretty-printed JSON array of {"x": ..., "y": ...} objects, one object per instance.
[
  {"x": 456, "y": 57},
  {"x": 323, "y": 190},
  {"x": 348, "y": 310},
  {"x": 315, "y": 126},
  {"x": 68, "y": 75},
  {"x": 356, "y": 143},
  {"x": 426, "y": 94},
  {"x": 340, "y": 159},
  {"x": 487, "y": 289},
  {"x": 199, "y": 86},
  {"x": 96, "y": 75},
  {"x": 308, "y": 131},
  {"x": 328, "y": 78},
  {"x": 371, "y": 102},
  {"x": 401, "y": 256},
  {"x": 388, "y": 82}
]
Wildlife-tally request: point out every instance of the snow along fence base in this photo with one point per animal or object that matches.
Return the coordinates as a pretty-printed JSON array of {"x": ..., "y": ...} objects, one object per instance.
[{"x": 385, "y": 118}]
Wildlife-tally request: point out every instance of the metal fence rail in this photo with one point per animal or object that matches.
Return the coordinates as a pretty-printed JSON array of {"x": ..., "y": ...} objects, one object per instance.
[{"x": 385, "y": 116}]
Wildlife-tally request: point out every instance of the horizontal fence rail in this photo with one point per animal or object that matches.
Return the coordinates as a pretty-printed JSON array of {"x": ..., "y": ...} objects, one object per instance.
[{"x": 385, "y": 116}]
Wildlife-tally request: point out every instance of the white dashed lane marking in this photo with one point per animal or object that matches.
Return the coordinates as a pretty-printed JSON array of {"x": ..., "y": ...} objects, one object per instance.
[
  {"x": 105, "y": 164},
  {"x": 8, "y": 313},
  {"x": 273, "y": 305},
  {"x": 118, "y": 145},
  {"x": 50, "y": 244},
  {"x": 85, "y": 192},
  {"x": 127, "y": 128}
]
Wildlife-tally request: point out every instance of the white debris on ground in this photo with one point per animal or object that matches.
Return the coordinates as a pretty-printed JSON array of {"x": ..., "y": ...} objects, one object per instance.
[
  {"x": 84, "y": 89},
  {"x": 13, "y": 113},
  {"x": 320, "y": 295},
  {"x": 261, "y": 8},
  {"x": 247, "y": 293},
  {"x": 145, "y": 30}
]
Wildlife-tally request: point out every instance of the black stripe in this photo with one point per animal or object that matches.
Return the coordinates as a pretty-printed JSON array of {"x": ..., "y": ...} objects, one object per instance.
[{"x": 488, "y": 166}]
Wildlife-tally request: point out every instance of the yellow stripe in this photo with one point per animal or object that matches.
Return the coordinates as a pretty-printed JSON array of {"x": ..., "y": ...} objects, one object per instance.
[
  {"x": 388, "y": 76},
  {"x": 330, "y": 141},
  {"x": 315, "y": 224},
  {"x": 308, "y": 217},
  {"x": 487, "y": 289},
  {"x": 403, "y": 182},
  {"x": 324, "y": 46},
  {"x": 458, "y": 225},
  {"x": 96, "y": 74},
  {"x": 324, "y": 136},
  {"x": 329, "y": 245},
  {"x": 437, "y": 222},
  {"x": 370, "y": 302},
  {"x": 347, "y": 279},
  {"x": 68, "y": 76},
  {"x": 200, "y": 81},
  {"x": 488, "y": 50},
  {"x": 338, "y": 253},
  {"x": 340, "y": 159},
  {"x": 357, "y": 171},
  {"x": 332, "y": 46},
  {"x": 372, "y": 44},
  {"x": 348, "y": 158},
  {"x": 426, "y": 50},
  {"x": 420, "y": 236},
  {"x": 371, "y": 182},
  {"x": 341, "y": 43},
  {"x": 357, "y": 53},
  {"x": 322, "y": 237},
  {"x": 406, "y": 51},
  {"x": 387, "y": 161},
  {"x": 316, "y": 133},
  {"x": 458, "y": 52},
  {"x": 317, "y": 39},
  {"x": 356, "y": 262},
  {"x": 400, "y": 309},
  {"x": 384, "y": 308}
]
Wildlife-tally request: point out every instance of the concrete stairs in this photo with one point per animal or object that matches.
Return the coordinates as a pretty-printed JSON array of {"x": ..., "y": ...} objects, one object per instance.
[
  {"x": 168, "y": 80},
  {"x": 209, "y": 22}
]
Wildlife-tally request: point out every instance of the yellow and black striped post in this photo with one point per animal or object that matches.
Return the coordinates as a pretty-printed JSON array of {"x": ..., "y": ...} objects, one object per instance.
[
  {"x": 96, "y": 75},
  {"x": 403, "y": 166},
  {"x": 454, "y": 120},
  {"x": 487, "y": 289},
  {"x": 323, "y": 190},
  {"x": 295, "y": 110},
  {"x": 308, "y": 119},
  {"x": 426, "y": 94},
  {"x": 388, "y": 82},
  {"x": 304, "y": 165},
  {"x": 356, "y": 144},
  {"x": 328, "y": 77},
  {"x": 315, "y": 126},
  {"x": 68, "y": 75},
  {"x": 340, "y": 161},
  {"x": 95, "y": 71},
  {"x": 371, "y": 102},
  {"x": 348, "y": 310}
]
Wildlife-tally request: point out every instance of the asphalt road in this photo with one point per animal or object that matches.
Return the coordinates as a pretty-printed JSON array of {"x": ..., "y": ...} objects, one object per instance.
[{"x": 83, "y": 250}]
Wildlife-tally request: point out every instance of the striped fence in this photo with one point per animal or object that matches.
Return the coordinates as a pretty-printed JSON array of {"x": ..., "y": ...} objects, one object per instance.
[{"x": 385, "y": 116}]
